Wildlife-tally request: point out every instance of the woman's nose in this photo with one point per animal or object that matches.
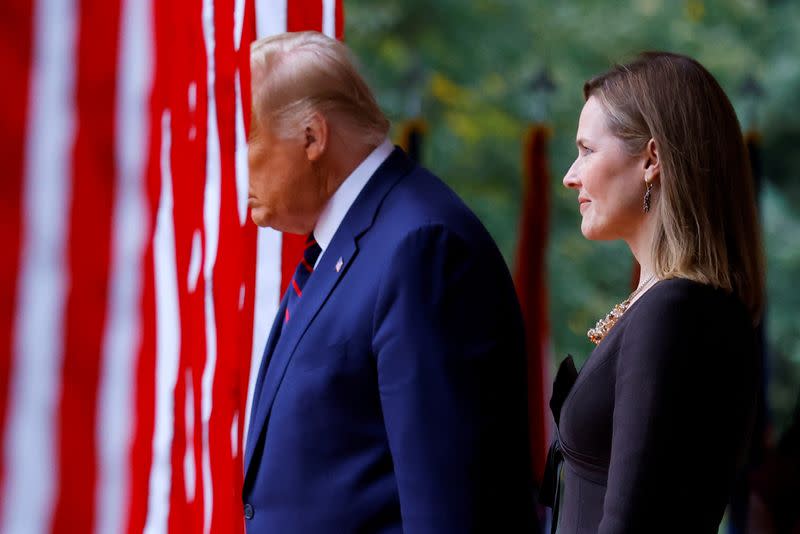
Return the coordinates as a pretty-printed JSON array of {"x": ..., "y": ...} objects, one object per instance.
[{"x": 571, "y": 180}]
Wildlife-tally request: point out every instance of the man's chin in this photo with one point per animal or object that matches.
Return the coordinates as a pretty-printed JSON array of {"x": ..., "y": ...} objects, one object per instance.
[
  {"x": 264, "y": 218},
  {"x": 259, "y": 217}
]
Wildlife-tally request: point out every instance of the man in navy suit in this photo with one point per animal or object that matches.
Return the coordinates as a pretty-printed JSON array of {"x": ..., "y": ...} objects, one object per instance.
[{"x": 391, "y": 395}]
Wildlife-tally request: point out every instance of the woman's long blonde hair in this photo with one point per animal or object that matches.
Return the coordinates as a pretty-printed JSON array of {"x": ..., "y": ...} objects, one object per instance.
[{"x": 709, "y": 228}]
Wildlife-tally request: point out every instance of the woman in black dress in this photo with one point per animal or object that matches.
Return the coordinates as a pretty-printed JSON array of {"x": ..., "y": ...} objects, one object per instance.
[{"x": 653, "y": 429}]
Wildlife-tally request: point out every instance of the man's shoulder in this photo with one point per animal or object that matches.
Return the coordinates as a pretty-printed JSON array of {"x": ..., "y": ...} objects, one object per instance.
[{"x": 422, "y": 199}]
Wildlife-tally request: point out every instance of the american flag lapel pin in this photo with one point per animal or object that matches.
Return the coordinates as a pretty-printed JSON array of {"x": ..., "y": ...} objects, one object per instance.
[{"x": 339, "y": 264}]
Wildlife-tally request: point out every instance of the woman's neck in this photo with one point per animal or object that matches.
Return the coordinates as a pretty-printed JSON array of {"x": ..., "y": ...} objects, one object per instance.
[{"x": 641, "y": 245}]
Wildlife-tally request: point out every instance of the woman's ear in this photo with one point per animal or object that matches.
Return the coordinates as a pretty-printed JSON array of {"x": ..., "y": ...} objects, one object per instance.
[{"x": 652, "y": 163}]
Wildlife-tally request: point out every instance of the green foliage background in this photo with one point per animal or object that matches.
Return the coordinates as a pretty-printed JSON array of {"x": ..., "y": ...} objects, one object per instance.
[{"x": 467, "y": 67}]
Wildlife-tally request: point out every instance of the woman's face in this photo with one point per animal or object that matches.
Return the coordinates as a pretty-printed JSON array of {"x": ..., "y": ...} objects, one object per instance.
[{"x": 609, "y": 181}]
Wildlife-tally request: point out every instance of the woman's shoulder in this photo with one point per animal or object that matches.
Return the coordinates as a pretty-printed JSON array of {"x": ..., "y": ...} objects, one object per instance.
[
  {"x": 679, "y": 315},
  {"x": 682, "y": 298}
]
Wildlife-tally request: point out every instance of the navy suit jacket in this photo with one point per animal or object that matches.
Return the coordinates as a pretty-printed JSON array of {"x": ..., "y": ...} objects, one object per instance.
[{"x": 394, "y": 399}]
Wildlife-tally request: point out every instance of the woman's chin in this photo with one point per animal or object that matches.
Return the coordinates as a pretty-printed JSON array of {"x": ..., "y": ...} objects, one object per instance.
[
  {"x": 592, "y": 233},
  {"x": 587, "y": 230}
]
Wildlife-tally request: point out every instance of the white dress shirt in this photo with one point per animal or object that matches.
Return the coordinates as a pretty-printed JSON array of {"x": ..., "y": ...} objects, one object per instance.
[{"x": 339, "y": 204}]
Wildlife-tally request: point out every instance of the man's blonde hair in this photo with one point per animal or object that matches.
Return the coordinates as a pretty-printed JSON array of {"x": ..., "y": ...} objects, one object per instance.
[
  {"x": 298, "y": 74},
  {"x": 708, "y": 227}
]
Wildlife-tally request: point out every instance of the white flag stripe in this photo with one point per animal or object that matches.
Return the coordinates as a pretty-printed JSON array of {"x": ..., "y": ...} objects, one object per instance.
[
  {"x": 240, "y": 154},
  {"x": 270, "y": 17},
  {"x": 168, "y": 332},
  {"x": 189, "y": 463},
  {"x": 238, "y": 23},
  {"x": 211, "y": 217},
  {"x": 194, "y": 262},
  {"x": 235, "y": 435},
  {"x": 122, "y": 337},
  {"x": 213, "y": 183},
  {"x": 267, "y": 299},
  {"x": 206, "y": 386},
  {"x": 38, "y": 334},
  {"x": 329, "y": 18}
]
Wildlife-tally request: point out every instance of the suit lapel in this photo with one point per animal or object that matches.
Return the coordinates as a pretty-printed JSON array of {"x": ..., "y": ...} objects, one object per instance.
[
  {"x": 315, "y": 293},
  {"x": 256, "y": 406},
  {"x": 340, "y": 253}
]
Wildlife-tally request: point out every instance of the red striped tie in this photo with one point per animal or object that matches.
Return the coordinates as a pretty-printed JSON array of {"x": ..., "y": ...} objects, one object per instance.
[{"x": 301, "y": 274}]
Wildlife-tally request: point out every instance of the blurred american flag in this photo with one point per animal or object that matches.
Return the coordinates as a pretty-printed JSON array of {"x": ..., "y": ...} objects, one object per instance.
[{"x": 135, "y": 293}]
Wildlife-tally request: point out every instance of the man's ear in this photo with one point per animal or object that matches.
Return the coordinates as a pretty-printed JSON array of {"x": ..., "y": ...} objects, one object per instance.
[
  {"x": 316, "y": 137},
  {"x": 652, "y": 163}
]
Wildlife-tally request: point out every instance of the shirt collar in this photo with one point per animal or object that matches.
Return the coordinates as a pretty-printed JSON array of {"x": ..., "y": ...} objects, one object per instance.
[{"x": 339, "y": 204}]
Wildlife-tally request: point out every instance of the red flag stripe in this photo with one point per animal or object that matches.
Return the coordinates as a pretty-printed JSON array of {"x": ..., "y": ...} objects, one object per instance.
[
  {"x": 144, "y": 394},
  {"x": 168, "y": 331},
  {"x": 90, "y": 213},
  {"x": 301, "y": 15},
  {"x": 339, "y": 19},
  {"x": 186, "y": 88},
  {"x": 304, "y": 15},
  {"x": 37, "y": 351},
  {"x": 229, "y": 286},
  {"x": 141, "y": 455},
  {"x": 130, "y": 229},
  {"x": 144, "y": 453},
  {"x": 221, "y": 283},
  {"x": 177, "y": 254},
  {"x": 15, "y": 26}
]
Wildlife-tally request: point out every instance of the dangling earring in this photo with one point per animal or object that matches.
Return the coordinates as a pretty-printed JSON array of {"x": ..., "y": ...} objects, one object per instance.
[{"x": 646, "y": 206}]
